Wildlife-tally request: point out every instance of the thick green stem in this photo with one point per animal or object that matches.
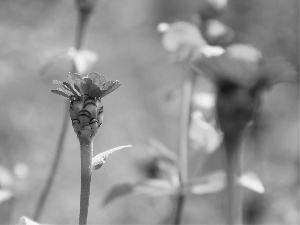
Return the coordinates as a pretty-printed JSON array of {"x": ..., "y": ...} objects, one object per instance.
[
  {"x": 234, "y": 192},
  {"x": 184, "y": 137},
  {"x": 86, "y": 149}
]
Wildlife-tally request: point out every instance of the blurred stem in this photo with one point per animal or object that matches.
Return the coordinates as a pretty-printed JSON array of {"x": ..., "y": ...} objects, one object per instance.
[
  {"x": 234, "y": 192},
  {"x": 86, "y": 149},
  {"x": 80, "y": 31},
  {"x": 49, "y": 182},
  {"x": 184, "y": 137}
]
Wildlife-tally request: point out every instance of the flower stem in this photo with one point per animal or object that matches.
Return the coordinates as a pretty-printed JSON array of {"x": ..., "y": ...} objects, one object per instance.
[
  {"x": 184, "y": 129},
  {"x": 80, "y": 31},
  {"x": 86, "y": 149},
  {"x": 179, "y": 206},
  {"x": 234, "y": 192}
]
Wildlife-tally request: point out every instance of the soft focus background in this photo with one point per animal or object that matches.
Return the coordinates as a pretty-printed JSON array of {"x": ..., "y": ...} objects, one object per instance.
[{"x": 124, "y": 35}]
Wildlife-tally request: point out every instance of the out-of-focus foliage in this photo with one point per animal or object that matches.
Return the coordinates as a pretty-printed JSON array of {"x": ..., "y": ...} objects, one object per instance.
[{"x": 123, "y": 34}]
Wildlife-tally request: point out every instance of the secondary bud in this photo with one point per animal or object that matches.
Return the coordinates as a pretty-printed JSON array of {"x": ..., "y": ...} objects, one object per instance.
[
  {"x": 85, "y": 6},
  {"x": 211, "y": 9}
]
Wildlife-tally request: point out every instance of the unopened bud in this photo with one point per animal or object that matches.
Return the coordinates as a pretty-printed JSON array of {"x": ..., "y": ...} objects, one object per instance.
[
  {"x": 211, "y": 9},
  {"x": 85, "y": 93},
  {"x": 85, "y": 6},
  {"x": 217, "y": 33}
]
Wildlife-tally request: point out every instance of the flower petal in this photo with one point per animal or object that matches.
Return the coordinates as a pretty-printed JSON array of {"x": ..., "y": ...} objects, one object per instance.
[
  {"x": 109, "y": 87},
  {"x": 94, "y": 91},
  {"x": 97, "y": 79},
  {"x": 72, "y": 89},
  {"x": 85, "y": 85},
  {"x": 75, "y": 80},
  {"x": 60, "y": 93}
]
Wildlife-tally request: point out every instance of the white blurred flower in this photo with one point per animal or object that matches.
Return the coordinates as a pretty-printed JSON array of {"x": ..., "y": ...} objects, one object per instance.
[
  {"x": 21, "y": 170},
  {"x": 215, "y": 28},
  {"x": 246, "y": 53},
  {"x": 204, "y": 135},
  {"x": 218, "y": 4},
  {"x": 204, "y": 100},
  {"x": 210, "y": 51},
  {"x": 181, "y": 38},
  {"x": 84, "y": 60},
  {"x": 251, "y": 181}
]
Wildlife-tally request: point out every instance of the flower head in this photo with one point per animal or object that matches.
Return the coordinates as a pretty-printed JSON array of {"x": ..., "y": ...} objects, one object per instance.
[
  {"x": 240, "y": 75},
  {"x": 244, "y": 66},
  {"x": 85, "y": 93},
  {"x": 181, "y": 39}
]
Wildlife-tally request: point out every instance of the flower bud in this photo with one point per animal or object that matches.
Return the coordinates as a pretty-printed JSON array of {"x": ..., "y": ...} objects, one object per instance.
[
  {"x": 85, "y": 93},
  {"x": 86, "y": 115},
  {"x": 211, "y": 9},
  {"x": 217, "y": 33},
  {"x": 85, "y": 6}
]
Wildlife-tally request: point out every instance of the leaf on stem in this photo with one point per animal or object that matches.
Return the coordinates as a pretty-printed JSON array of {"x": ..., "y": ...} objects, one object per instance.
[
  {"x": 150, "y": 187},
  {"x": 155, "y": 188},
  {"x": 99, "y": 160},
  {"x": 117, "y": 191},
  {"x": 251, "y": 181},
  {"x": 26, "y": 221},
  {"x": 211, "y": 183}
]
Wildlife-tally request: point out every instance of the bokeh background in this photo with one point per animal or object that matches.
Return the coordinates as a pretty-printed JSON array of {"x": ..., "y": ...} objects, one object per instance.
[{"x": 124, "y": 35}]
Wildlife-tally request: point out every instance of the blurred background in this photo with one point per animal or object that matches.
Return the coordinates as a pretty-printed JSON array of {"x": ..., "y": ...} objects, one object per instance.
[{"x": 123, "y": 34}]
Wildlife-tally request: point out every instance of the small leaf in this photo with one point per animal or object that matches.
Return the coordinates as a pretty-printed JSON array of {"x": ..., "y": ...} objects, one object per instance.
[
  {"x": 100, "y": 159},
  {"x": 251, "y": 181},
  {"x": 26, "y": 221},
  {"x": 154, "y": 188},
  {"x": 5, "y": 195},
  {"x": 150, "y": 188},
  {"x": 118, "y": 191},
  {"x": 211, "y": 183}
]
